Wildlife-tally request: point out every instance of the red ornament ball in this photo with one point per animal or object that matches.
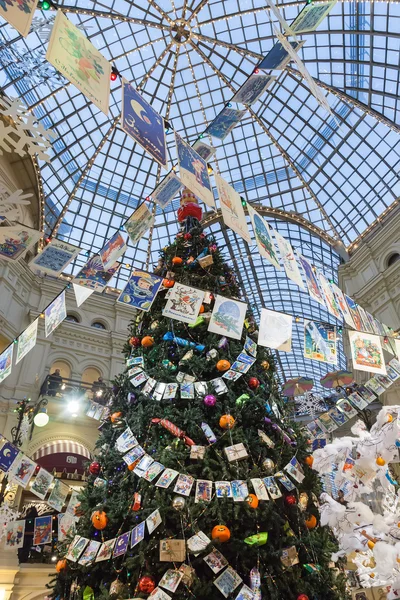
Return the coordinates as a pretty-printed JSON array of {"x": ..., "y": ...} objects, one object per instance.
[
  {"x": 303, "y": 597},
  {"x": 135, "y": 342},
  {"x": 168, "y": 283},
  {"x": 146, "y": 584},
  {"x": 253, "y": 383},
  {"x": 94, "y": 468},
  {"x": 187, "y": 236},
  {"x": 291, "y": 500}
]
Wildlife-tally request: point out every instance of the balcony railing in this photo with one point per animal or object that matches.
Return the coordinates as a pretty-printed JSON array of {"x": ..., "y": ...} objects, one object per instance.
[{"x": 63, "y": 387}]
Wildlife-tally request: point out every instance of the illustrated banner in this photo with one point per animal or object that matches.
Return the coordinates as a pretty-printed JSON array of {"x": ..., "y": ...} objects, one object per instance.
[
  {"x": 16, "y": 240},
  {"x": 223, "y": 123},
  {"x": 54, "y": 258},
  {"x": 6, "y": 362},
  {"x": 140, "y": 290},
  {"x": 232, "y": 209},
  {"x": 19, "y": 14},
  {"x": 93, "y": 275},
  {"x": 265, "y": 244},
  {"x": 275, "y": 330},
  {"x": 320, "y": 342},
  {"x": 228, "y": 317},
  {"x": 312, "y": 282},
  {"x": 27, "y": 340},
  {"x": 193, "y": 172},
  {"x": 289, "y": 260},
  {"x": 253, "y": 88},
  {"x": 138, "y": 223},
  {"x": 55, "y": 314},
  {"x": 166, "y": 190},
  {"x": 184, "y": 303},
  {"x": 112, "y": 250},
  {"x": 366, "y": 352}
]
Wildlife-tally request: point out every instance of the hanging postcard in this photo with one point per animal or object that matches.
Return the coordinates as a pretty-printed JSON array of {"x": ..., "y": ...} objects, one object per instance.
[
  {"x": 366, "y": 352},
  {"x": 366, "y": 325},
  {"x": 341, "y": 302},
  {"x": 253, "y": 88},
  {"x": 112, "y": 250},
  {"x": 193, "y": 172},
  {"x": 184, "y": 304},
  {"x": 228, "y": 317},
  {"x": 312, "y": 282},
  {"x": 320, "y": 342},
  {"x": 55, "y": 314},
  {"x": 355, "y": 315},
  {"x": 223, "y": 123},
  {"x": 71, "y": 53},
  {"x": 330, "y": 299},
  {"x": 16, "y": 240},
  {"x": 265, "y": 244},
  {"x": 138, "y": 223},
  {"x": 81, "y": 293},
  {"x": 42, "y": 483},
  {"x": 8, "y": 454},
  {"x": 289, "y": 259},
  {"x": 203, "y": 149},
  {"x": 143, "y": 124},
  {"x": 232, "y": 209},
  {"x": 140, "y": 290},
  {"x": 27, "y": 340},
  {"x": 93, "y": 275},
  {"x": 58, "y": 495},
  {"x": 54, "y": 258},
  {"x": 275, "y": 330},
  {"x": 6, "y": 362},
  {"x": 166, "y": 190},
  {"x": 14, "y": 534},
  {"x": 19, "y": 14},
  {"x": 22, "y": 470},
  {"x": 43, "y": 531},
  {"x": 277, "y": 58},
  {"x": 311, "y": 16}
]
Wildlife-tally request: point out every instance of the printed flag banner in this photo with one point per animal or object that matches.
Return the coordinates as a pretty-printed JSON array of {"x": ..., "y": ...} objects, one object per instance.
[
  {"x": 341, "y": 301},
  {"x": 320, "y": 342},
  {"x": 6, "y": 362},
  {"x": 16, "y": 240},
  {"x": 81, "y": 293},
  {"x": 93, "y": 275},
  {"x": 355, "y": 315},
  {"x": 265, "y": 244},
  {"x": 289, "y": 259},
  {"x": 275, "y": 330},
  {"x": 138, "y": 223},
  {"x": 54, "y": 258},
  {"x": 143, "y": 124},
  {"x": 112, "y": 250},
  {"x": 166, "y": 190},
  {"x": 193, "y": 172},
  {"x": 184, "y": 303},
  {"x": 366, "y": 352},
  {"x": 311, "y": 16},
  {"x": 228, "y": 317},
  {"x": 19, "y": 14},
  {"x": 27, "y": 340},
  {"x": 71, "y": 53},
  {"x": 55, "y": 314},
  {"x": 253, "y": 88},
  {"x": 140, "y": 290},
  {"x": 232, "y": 209},
  {"x": 223, "y": 123},
  {"x": 312, "y": 282},
  {"x": 329, "y": 296}
]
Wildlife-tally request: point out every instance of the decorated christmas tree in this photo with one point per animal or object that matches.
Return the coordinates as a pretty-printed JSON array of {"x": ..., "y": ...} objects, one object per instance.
[{"x": 202, "y": 487}]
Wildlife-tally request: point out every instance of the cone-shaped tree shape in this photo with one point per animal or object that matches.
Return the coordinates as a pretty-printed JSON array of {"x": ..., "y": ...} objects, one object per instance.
[{"x": 287, "y": 521}]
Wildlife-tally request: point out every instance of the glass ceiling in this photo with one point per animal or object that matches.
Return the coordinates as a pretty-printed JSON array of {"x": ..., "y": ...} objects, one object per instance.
[{"x": 287, "y": 153}]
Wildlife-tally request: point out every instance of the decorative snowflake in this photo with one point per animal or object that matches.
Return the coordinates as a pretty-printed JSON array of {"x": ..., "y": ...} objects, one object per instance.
[
  {"x": 7, "y": 514},
  {"x": 310, "y": 404},
  {"x": 43, "y": 27},
  {"x": 26, "y": 132},
  {"x": 11, "y": 201},
  {"x": 25, "y": 428}
]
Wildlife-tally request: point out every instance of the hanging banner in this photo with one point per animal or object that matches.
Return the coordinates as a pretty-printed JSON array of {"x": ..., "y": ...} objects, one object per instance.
[
  {"x": 6, "y": 362},
  {"x": 112, "y": 250},
  {"x": 320, "y": 342},
  {"x": 42, "y": 483},
  {"x": 193, "y": 172},
  {"x": 228, "y": 317},
  {"x": 341, "y": 301},
  {"x": 21, "y": 470},
  {"x": 55, "y": 314},
  {"x": 278, "y": 57},
  {"x": 253, "y": 88},
  {"x": 265, "y": 244},
  {"x": 366, "y": 326},
  {"x": 19, "y": 14},
  {"x": 71, "y": 53},
  {"x": 311, "y": 16},
  {"x": 289, "y": 259},
  {"x": 352, "y": 306},
  {"x": 43, "y": 531},
  {"x": 311, "y": 280},
  {"x": 166, "y": 190},
  {"x": 27, "y": 340},
  {"x": 232, "y": 209},
  {"x": 16, "y": 240},
  {"x": 15, "y": 531},
  {"x": 329, "y": 296},
  {"x": 54, "y": 258},
  {"x": 223, "y": 123},
  {"x": 140, "y": 290},
  {"x": 184, "y": 303},
  {"x": 275, "y": 330},
  {"x": 203, "y": 149},
  {"x": 93, "y": 275},
  {"x": 138, "y": 223},
  {"x": 143, "y": 124},
  {"x": 366, "y": 352},
  {"x": 81, "y": 293}
]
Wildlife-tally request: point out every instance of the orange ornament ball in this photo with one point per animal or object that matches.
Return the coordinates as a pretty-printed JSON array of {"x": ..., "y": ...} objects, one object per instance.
[
  {"x": 99, "y": 519},
  {"x": 147, "y": 341},
  {"x": 309, "y": 460},
  {"x": 223, "y": 365},
  {"x": 115, "y": 416},
  {"x": 381, "y": 462},
  {"x": 226, "y": 422},
  {"x": 168, "y": 283},
  {"x": 134, "y": 464},
  {"x": 61, "y": 565},
  {"x": 221, "y": 533},
  {"x": 201, "y": 309},
  {"x": 311, "y": 522},
  {"x": 370, "y": 544},
  {"x": 252, "y": 500},
  {"x": 177, "y": 260},
  {"x": 389, "y": 418}
]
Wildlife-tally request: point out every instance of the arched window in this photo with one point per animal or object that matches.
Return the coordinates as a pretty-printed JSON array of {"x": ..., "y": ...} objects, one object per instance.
[
  {"x": 393, "y": 258},
  {"x": 72, "y": 318},
  {"x": 90, "y": 375},
  {"x": 65, "y": 369},
  {"x": 98, "y": 325}
]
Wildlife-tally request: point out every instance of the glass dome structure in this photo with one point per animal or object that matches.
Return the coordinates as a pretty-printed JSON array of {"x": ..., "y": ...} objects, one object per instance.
[{"x": 320, "y": 180}]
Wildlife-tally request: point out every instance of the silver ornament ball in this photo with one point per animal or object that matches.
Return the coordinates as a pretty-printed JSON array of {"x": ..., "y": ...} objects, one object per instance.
[
  {"x": 178, "y": 503},
  {"x": 269, "y": 465}
]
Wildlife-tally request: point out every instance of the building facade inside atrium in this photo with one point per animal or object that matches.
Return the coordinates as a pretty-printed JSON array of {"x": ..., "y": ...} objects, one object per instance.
[{"x": 199, "y": 300}]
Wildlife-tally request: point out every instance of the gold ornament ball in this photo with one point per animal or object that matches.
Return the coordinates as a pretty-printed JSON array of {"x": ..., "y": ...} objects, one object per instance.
[
  {"x": 380, "y": 461},
  {"x": 370, "y": 544},
  {"x": 178, "y": 503},
  {"x": 265, "y": 365}
]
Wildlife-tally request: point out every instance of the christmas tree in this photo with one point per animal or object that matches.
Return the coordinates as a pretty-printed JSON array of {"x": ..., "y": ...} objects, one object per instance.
[{"x": 189, "y": 496}]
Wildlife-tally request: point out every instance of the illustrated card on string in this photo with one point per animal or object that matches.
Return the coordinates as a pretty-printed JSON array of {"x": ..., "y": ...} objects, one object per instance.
[
  {"x": 27, "y": 340},
  {"x": 312, "y": 282},
  {"x": 138, "y": 223},
  {"x": 272, "y": 487},
  {"x": 275, "y": 330},
  {"x": 240, "y": 491},
  {"x": 203, "y": 149},
  {"x": 19, "y": 14},
  {"x": 358, "y": 400},
  {"x": 278, "y": 57},
  {"x": 66, "y": 525},
  {"x": 54, "y": 258},
  {"x": 76, "y": 548},
  {"x": 71, "y": 53},
  {"x": 366, "y": 352},
  {"x": 193, "y": 172},
  {"x": 141, "y": 290},
  {"x": 329, "y": 296},
  {"x": 336, "y": 415},
  {"x": 143, "y": 124},
  {"x": 289, "y": 259},
  {"x": 106, "y": 550},
  {"x": 198, "y": 543},
  {"x": 22, "y": 470},
  {"x": 167, "y": 478},
  {"x": 203, "y": 491},
  {"x": 121, "y": 545},
  {"x": 112, "y": 250},
  {"x": 341, "y": 301},
  {"x": 138, "y": 534},
  {"x": 320, "y": 342},
  {"x": 171, "y": 579},
  {"x": 184, "y": 485},
  {"x": 392, "y": 373},
  {"x": 184, "y": 304},
  {"x": 42, "y": 483},
  {"x": 228, "y": 581},
  {"x": 366, "y": 325},
  {"x": 89, "y": 554},
  {"x": 58, "y": 495},
  {"x": 166, "y": 190},
  {"x": 55, "y": 314},
  {"x": 15, "y": 531},
  {"x": 346, "y": 408},
  {"x": 253, "y": 88},
  {"x": 16, "y": 240},
  {"x": 374, "y": 386},
  {"x": 6, "y": 362},
  {"x": 311, "y": 16},
  {"x": 245, "y": 593},
  {"x": 153, "y": 521},
  {"x": 224, "y": 122},
  {"x": 216, "y": 561},
  {"x": 43, "y": 531},
  {"x": 232, "y": 209},
  {"x": 93, "y": 275},
  {"x": 265, "y": 244},
  {"x": 8, "y": 455},
  {"x": 228, "y": 317},
  {"x": 327, "y": 424}
]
